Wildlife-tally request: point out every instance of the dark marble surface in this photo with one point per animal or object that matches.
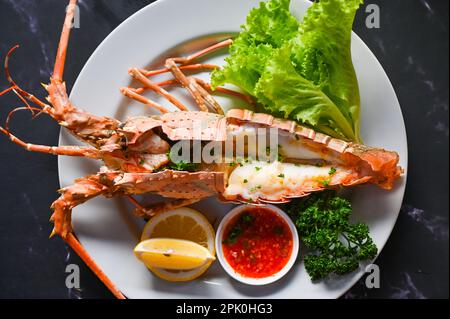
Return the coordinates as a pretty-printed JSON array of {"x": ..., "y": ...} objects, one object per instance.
[{"x": 412, "y": 46}]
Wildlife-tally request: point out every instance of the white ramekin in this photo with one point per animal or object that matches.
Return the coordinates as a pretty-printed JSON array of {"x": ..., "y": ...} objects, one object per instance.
[{"x": 248, "y": 280}]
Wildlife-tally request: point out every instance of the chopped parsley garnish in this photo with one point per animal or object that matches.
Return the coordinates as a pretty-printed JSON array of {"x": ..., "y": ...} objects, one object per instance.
[
  {"x": 233, "y": 235},
  {"x": 325, "y": 182},
  {"x": 332, "y": 171},
  {"x": 245, "y": 220},
  {"x": 253, "y": 189},
  {"x": 182, "y": 166},
  {"x": 240, "y": 161},
  {"x": 280, "y": 157},
  {"x": 281, "y": 176}
]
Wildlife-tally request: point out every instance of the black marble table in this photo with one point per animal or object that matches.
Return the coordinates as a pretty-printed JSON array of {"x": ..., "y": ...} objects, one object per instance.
[{"x": 412, "y": 46}]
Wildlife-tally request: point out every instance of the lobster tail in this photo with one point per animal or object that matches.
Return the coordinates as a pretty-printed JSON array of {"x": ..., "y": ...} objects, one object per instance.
[
  {"x": 383, "y": 164},
  {"x": 315, "y": 162}
]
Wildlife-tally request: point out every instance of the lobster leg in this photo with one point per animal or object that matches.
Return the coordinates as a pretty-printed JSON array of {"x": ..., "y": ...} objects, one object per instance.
[
  {"x": 189, "y": 84},
  {"x": 84, "y": 189},
  {"x": 239, "y": 95},
  {"x": 136, "y": 74},
  {"x": 202, "y": 97},
  {"x": 161, "y": 84},
  {"x": 207, "y": 97},
  {"x": 132, "y": 94},
  {"x": 205, "y": 85},
  {"x": 71, "y": 196},
  {"x": 198, "y": 91},
  {"x": 192, "y": 57},
  {"x": 190, "y": 67},
  {"x": 72, "y": 118}
]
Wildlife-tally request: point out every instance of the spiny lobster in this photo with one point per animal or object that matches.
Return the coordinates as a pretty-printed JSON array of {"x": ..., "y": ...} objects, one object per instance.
[{"x": 135, "y": 152}]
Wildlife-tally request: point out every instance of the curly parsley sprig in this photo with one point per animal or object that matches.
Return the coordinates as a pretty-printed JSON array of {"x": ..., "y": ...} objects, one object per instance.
[{"x": 335, "y": 245}]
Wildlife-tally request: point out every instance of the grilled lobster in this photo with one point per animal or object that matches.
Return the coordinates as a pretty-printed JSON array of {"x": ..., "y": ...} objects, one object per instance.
[{"x": 137, "y": 153}]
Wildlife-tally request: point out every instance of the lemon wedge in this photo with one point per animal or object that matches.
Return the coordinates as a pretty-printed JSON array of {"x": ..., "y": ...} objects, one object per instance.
[
  {"x": 183, "y": 224},
  {"x": 174, "y": 254}
]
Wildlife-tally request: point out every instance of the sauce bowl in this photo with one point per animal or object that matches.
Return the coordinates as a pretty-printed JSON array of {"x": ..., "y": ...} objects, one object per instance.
[{"x": 230, "y": 217}]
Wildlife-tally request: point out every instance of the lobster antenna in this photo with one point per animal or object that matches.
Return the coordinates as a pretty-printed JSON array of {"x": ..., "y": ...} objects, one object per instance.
[{"x": 63, "y": 42}]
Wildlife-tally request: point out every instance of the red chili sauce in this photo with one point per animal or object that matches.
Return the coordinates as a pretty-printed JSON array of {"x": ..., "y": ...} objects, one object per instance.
[{"x": 257, "y": 243}]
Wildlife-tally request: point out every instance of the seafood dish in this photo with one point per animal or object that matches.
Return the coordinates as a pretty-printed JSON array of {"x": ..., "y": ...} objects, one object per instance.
[{"x": 256, "y": 158}]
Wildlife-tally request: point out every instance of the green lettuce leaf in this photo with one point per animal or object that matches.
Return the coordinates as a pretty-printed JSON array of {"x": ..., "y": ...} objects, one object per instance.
[
  {"x": 302, "y": 71},
  {"x": 321, "y": 53},
  {"x": 282, "y": 89},
  {"x": 244, "y": 66},
  {"x": 271, "y": 23},
  {"x": 267, "y": 28}
]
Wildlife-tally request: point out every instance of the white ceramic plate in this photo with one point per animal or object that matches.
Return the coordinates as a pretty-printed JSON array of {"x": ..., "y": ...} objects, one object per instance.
[{"x": 107, "y": 228}]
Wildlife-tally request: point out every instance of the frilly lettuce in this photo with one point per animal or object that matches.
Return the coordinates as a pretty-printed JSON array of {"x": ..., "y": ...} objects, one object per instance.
[
  {"x": 302, "y": 71},
  {"x": 267, "y": 28}
]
